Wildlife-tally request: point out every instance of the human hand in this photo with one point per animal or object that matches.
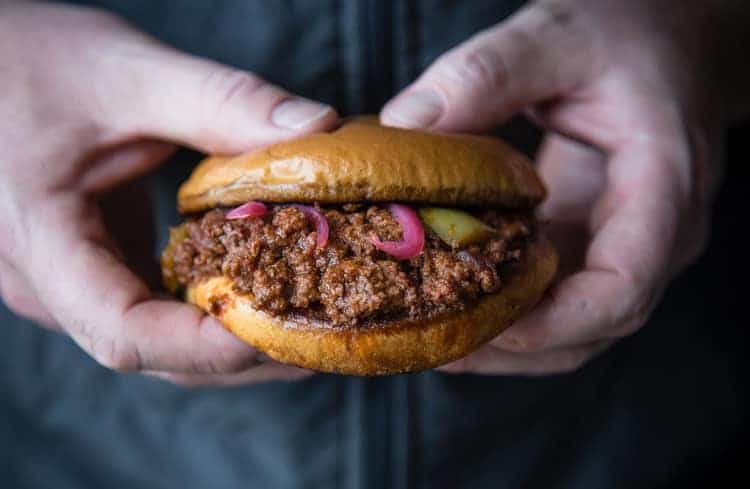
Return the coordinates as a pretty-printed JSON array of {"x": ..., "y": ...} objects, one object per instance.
[
  {"x": 628, "y": 99},
  {"x": 89, "y": 104}
]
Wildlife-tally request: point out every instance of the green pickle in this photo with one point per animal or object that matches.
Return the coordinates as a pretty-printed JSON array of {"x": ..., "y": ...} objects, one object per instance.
[{"x": 457, "y": 228}]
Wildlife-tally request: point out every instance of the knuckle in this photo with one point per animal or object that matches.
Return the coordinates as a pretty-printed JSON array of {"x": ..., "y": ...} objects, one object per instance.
[
  {"x": 555, "y": 13},
  {"x": 223, "y": 364},
  {"x": 553, "y": 20},
  {"x": 209, "y": 366},
  {"x": 230, "y": 84},
  {"x": 113, "y": 355},
  {"x": 15, "y": 298},
  {"x": 482, "y": 67},
  {"x": 636, "y": 310},
  {"x": 224, "y": 87},
  {"x": 635, "y": 283},
  {"x": 12, "y": 300},
  {"x": 237, "y": 362}
]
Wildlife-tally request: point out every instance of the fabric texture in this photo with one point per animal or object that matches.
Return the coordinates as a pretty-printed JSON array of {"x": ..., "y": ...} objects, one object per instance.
[{"x": 652, "y": 409}]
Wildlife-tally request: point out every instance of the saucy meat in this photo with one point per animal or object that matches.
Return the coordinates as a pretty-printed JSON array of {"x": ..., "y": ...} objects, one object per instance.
[{"x": 349, "y": 282}]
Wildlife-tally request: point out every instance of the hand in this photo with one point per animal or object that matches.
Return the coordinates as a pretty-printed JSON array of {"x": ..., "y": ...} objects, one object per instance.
[
  {"x": 88, "y": 105},
  {"x": 633, "y": 124}
]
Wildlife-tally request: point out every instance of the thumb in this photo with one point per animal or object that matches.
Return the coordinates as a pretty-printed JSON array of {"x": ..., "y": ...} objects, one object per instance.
[
  {"x": 155, "y": 91},
  {"x": 537, "y": 54}
]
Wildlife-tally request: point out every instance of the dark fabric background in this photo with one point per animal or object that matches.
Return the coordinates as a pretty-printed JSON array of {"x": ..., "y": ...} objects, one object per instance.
[{"x": 719, "y": 286}]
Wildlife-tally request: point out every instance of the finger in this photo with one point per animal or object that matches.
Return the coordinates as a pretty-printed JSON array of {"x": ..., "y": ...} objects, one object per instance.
[
  {"x": 149, "y": 89},
  {"x": 114, "y": 166},
  {"x": 21, "y": 298},
  {"x": 109, "y": 312},
  {"x": 490, "y": 360},
  {"x": 539, "y": 53},
  {"x": 605, "y": 125},
  {"x": 634, "y": 225},
  {"x": 575, "y": 175},
  {"x": 265, "y": 372}
]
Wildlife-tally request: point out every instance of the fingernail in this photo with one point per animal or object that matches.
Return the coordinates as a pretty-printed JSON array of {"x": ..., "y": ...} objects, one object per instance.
[
  {"x": 296, "y": 113},
  {"x": 416, "y": 109}
]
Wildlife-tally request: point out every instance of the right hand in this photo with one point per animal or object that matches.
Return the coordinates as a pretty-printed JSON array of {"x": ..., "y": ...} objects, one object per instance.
[
  {"x": 630, "y": 157},
  {"x": 90, "y": 104}
]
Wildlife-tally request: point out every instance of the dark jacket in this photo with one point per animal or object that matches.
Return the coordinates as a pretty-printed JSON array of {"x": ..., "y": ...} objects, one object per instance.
[{"x": 646, "y": 413}]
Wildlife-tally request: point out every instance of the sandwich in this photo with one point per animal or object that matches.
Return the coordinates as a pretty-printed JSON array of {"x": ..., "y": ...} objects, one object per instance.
[{"x": 369, "y": 250}]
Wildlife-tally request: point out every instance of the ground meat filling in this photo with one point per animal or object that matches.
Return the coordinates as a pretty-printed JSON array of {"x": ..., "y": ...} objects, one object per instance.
[{"x": 349, "y": 282}]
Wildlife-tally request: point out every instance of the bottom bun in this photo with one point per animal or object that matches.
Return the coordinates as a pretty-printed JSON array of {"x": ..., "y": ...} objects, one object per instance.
[{"x": 389, "y": 348}]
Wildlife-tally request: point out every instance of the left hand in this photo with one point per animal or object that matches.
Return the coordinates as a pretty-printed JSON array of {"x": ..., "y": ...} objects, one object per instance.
[
  {"x": 630, "y": 158},
  {"x": 90, "y": 105}
]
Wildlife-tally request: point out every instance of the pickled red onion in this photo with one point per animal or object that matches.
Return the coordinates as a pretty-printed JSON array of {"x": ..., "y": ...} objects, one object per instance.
[
  {"x": 411, "y": 227},
  {"x": 320, "y": 221},
  {"x": 249, "y": 209}
]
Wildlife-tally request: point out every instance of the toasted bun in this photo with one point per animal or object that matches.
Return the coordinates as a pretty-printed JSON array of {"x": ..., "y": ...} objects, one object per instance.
[
  {"x": 363, "y": 161},
  {"x": 405, "y": 346}
]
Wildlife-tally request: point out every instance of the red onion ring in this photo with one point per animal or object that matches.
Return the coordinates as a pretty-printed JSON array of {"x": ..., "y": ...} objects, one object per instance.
[
  {"x": 320, "y": 221},
  {"x": 249, "y": 209},
  {"x": 411, "y": 227}
]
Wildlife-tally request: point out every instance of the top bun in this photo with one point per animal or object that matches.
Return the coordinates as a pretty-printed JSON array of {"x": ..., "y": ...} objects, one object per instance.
[{"x": 364, "y": 161}]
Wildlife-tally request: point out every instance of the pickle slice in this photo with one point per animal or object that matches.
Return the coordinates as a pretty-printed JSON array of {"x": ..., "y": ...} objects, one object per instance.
[{"x": 457, "y": 228}]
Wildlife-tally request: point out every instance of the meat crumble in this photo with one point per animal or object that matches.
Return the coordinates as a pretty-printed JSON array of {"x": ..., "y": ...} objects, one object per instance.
[{"x": 350, "y": 282}]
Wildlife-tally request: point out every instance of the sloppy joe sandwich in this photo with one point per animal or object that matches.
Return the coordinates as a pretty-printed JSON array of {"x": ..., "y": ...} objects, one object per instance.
[{"x": 367, "y": 251}]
